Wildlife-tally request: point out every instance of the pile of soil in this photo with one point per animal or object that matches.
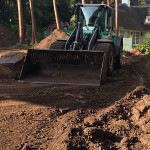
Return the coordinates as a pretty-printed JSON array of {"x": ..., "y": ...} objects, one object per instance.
[
  {"x": 136, "y": 51},
  {"x": 45, "y": 43},
  {"x": 124, "y": 125},
  {"x": 39, "y": 125},
  {"x": 143, "y": 67},
  {"x": 7, "y": 38}
]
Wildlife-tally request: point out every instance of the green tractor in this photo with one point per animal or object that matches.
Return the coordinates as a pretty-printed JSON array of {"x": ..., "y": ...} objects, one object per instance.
[{"x": 87, "y": 57}]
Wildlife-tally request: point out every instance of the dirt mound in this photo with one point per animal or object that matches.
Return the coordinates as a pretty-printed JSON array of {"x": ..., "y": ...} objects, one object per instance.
[
  {"x": 124, "y": 125},
  {"x": 45, "y": 43},
  {"x": 136, "y": 51},
  {"x": 143, "y": 67},
  {"x": 7, "y": 38},
  {"x": 144, "y": 63}
]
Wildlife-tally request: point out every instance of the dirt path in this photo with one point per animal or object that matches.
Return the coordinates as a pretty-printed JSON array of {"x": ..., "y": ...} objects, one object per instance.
[{"x": 113, "y": 116}]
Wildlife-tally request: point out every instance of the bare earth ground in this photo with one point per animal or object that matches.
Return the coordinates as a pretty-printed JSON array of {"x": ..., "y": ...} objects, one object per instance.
[{"x": 41, "y": 116}]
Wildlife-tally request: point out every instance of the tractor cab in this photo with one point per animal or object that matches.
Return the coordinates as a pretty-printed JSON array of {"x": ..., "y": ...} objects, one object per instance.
[{"x": 94, "y": 16}]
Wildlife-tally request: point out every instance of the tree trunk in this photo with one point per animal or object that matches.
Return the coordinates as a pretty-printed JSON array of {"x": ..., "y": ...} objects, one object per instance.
[
  {"x": 109, "y": 2},
  {"x": 56, "y": 15},
  {"x": 83, "y": 1},
  {"x": 21, "y": 28},
  {"x": 34, "y": 33},
  {"x": 116, "y": 16}
]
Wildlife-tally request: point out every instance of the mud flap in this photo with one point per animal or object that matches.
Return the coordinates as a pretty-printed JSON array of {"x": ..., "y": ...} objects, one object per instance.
[{"x": 63, "y": 67}]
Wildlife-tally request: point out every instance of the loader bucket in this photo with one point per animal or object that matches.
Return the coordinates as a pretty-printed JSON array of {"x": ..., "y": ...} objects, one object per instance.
[{"x": 73, "y": 67}]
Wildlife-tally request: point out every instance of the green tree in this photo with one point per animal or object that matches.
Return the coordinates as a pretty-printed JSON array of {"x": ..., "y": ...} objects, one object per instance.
[
  {"x": 144, "y": 2},
  {"x": 64, "y": 7},
  {"x": 9, "y": 13}
]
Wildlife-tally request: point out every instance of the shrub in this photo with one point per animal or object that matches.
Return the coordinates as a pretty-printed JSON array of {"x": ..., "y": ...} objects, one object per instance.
[
  {"x": 145, "y": 47},
  {"x": 19, "y": 45}
]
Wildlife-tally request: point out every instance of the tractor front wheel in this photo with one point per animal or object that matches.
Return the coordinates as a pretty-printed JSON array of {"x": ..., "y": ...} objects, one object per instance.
[
  {"x": 118, "y": 64},
  {"x": 58, "y": 45},
  {"x": 108, "y": 49}
]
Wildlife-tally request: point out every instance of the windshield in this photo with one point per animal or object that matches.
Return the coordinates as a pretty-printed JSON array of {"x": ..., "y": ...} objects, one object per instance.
[{"x": 93, "y": 15}]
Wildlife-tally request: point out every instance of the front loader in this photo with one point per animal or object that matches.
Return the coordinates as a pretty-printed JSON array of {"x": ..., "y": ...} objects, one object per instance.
[{"x": 89, "y": 54}]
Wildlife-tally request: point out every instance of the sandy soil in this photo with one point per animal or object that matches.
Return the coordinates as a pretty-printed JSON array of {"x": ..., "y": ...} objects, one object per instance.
[
  {"x": 41, "y": 116},
  {"x": 45, "y": 43}
]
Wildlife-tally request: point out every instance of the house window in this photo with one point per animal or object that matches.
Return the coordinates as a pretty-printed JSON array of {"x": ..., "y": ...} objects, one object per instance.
[
  {"x": 122, "y": 33},
  {"x": 135, "y": 37},
  {"x": 125, "y": 34},
  {"x": 147, "y": 20}
]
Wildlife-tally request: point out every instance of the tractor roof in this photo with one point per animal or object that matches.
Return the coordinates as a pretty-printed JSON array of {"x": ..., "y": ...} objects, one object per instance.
[{"x": 79, "y": 4}]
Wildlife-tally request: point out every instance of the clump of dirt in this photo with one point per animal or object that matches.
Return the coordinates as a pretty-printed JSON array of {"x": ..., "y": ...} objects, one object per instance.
[
  {"x": 45, "y": 43},
  {"x": 7, "y": 38},
  {"x": 136, "y": 51}
]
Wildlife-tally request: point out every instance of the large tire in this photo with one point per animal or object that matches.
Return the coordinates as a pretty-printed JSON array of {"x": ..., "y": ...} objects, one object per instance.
[
  {"x": 108, "y": 49},
  {"x": 118, "y": 63},
  {"x": 58, "y": 45}
]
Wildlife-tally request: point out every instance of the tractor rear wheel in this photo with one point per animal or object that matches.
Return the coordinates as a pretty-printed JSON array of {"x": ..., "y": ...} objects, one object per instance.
[
  {"x": 58, "y": 45},
  {"x": 108, "y": 49}
]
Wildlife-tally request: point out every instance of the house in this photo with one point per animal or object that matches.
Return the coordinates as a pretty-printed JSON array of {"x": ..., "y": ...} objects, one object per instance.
[{"x": 133, "y": 21}]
